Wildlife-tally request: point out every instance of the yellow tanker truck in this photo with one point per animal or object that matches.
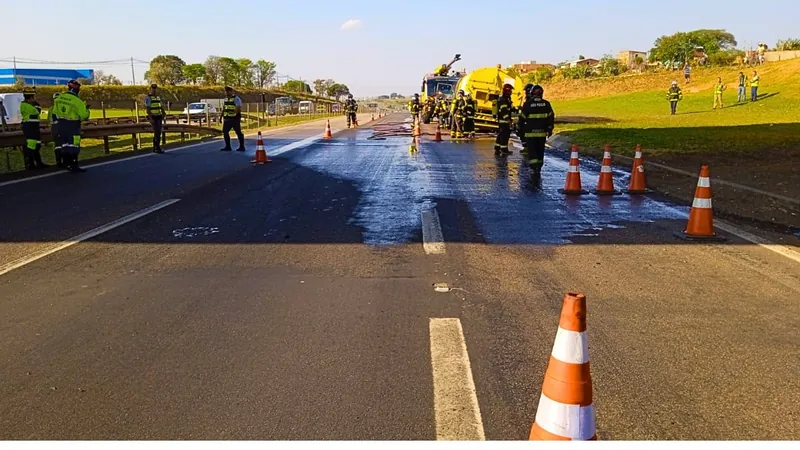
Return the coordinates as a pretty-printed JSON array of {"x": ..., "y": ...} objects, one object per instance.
[{"x": 485, "y": 85}]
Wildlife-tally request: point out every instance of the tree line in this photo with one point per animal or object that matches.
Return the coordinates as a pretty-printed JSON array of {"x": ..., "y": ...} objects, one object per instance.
[{"x": 171, "y": 70}]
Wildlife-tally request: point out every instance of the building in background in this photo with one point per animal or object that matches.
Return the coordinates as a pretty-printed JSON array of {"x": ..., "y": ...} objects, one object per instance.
[
  {"x": 628, "y": 58},
  {"x": 531, "y": 66},
  {"x": 38, "y": 77}
]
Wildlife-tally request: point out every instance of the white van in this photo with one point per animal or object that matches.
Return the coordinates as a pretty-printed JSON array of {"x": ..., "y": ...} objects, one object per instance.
[
  {"x": 305, "y": 107},
  {"x": 11, "y": 104}
]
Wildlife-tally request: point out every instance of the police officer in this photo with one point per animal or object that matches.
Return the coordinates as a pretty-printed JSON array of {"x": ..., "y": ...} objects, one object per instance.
[
  {"x": 71, "y": 110},
  {"x": 414, "y": 108},
  {"x": 674, "y": 95},
  {"x": 470, "y": 108},
  {"x": 30, "y": 111},
  {"x": 351, "y": 108},
  {"x": 53, "y": 117},
  {"x": 155, "y": 115},
  {"x": 502, "y": 110},
  {"x": 536, "y": 121},
  {"x": 232, "y": 120},
  {"x": 457, "y": 116}
]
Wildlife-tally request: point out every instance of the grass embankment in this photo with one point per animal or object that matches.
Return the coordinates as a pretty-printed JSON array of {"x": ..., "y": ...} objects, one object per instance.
[
  {"x": 12, "y": 160},
  {"x": 638, "y": 112}
]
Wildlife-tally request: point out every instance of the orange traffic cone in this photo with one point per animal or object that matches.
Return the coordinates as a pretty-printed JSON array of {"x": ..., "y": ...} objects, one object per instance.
[
  {"x": 328, "y": 133},
  {"x": 605, "y": 185},
  {"x": 566, "y": 411},
  {"x": 261, "y": 152},
  {"x": 701, "y": 216},
  {"x": 438, "y": 137},
  {"x": 638, "y": 184},
  {"x": 573, "y": 185}
]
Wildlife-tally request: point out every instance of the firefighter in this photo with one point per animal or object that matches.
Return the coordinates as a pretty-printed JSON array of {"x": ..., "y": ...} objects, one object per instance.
[
  {"x": 442, "y": 110},
  {"x": 414, "y": 108},
  {"x": 53, "y": 117},
  {"x": 469, "y": 110},
  {"x": 521, "y": 120},
  {"x": 70, "y": 110},
  {"x": 674, "y": 95},
  {"x": 351, "y": 108},
  {"x": 430, "y": 106},
  {"x": 537, "y": 121},
  {"x": 457, "y": 116},
  {"x": 502, "y": 108},
  {"x": 232, "y": 120},
  {"x": 155, "y": 115},
  {"x": 30, "y": 111}
]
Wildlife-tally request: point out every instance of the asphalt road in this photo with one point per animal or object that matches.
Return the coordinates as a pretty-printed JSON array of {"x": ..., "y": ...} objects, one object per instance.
[{"x": 296, "y": 300}]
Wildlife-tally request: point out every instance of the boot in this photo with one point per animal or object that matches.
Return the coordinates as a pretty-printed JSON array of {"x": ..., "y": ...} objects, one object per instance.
[
  {"x": 59, "y": 158},
  {"x": 27, "y": 156},
  {"x": 37, "y": 159},
  {"x": 226, "y": 149}
]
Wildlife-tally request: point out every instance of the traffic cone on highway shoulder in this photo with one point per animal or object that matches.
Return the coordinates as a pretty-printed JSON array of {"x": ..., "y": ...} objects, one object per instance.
[
  {"x": 566, "y": 409},
  {"x": 573, "y": 184},
  {"x": 701, "y": 216},
  {"x": 638, "y": 183},
  {"x": 438, "y": 137},
  {"x": 261, "y": 152},
  {"x": 605, "y": 185},
  {"x": 327, "y": 134}
]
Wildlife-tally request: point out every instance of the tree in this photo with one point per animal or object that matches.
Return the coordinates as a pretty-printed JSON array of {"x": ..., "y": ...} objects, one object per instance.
[
  {"x": 244, "y": 72},
  {"x": 337, "y": 90},
  {"x": 229, "y": 70},
  {"x": 265, "y": 72},
  {"x": 298, "y": 86},
  {"x": 787, "y": 45},
  {"x": 194, "y": 73},
  {"x": 609, "y": 66},
  {"x": 84, "y": 81},
  {"x": 213, "y": 70},
  {"x": 19, "y": 83},
  {"x": 165, "y": 70},
  {"x": 109, "y": 80},
  {"x": 319, "y": 86},
  {"x": 680, "y": 47}
]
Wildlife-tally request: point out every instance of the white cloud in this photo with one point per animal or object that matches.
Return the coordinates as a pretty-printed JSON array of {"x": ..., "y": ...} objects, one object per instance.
[{"x": 351, "y": 24}]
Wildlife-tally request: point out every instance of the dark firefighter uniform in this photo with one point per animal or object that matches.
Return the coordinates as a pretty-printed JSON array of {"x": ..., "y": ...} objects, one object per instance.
[
  {"x": 674, "y": 95},
  {"x": 457, "y": 116},
  {"x": 31, "y": 112},
  {"x": 502, "y": 111},
  {"x": 232, "y": 120},
  {"x": 71, "y": 110},
  {"x": 414, "y": 108},
  {"x": 430, "y": 107},
  {"x": 536, "y": 122},
  {"x": 442, "y": 112},
  {"x": 351, "y": 108},
  {"x": 470, "y": 108},
  {"x": 53, "y": 117},
  {"x": 155, "y": 113}
]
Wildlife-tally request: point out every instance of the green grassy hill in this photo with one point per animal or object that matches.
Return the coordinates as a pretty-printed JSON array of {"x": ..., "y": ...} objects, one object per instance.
[{"x": 637, "y": 111}]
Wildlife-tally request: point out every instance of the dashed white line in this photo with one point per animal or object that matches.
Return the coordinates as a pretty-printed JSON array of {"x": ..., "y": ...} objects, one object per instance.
[
  {"x": 456, "y": 410},
  {"x": 432, "y": 238},
  {"x": 8, "y": 267}
]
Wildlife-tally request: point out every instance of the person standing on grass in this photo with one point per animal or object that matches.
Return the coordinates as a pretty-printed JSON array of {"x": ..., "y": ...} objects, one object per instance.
[
  {"x": 155, "y": 115},
  {"x": 742, "y": 96},
  {"x": 718, "y": 90},
  {"x": 754, "y": 87},
  {"x": 674, "y": 95},
  {"x": 232, "y": 119},
  {"x": 687, "y": 72}
]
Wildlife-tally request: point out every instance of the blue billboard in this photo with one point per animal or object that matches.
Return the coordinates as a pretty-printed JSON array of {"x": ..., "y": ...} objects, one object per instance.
[{"x": 39, "y": 77}]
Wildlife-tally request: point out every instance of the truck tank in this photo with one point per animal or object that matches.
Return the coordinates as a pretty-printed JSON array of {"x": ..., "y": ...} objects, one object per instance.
[{"x": 485, "y": 85}]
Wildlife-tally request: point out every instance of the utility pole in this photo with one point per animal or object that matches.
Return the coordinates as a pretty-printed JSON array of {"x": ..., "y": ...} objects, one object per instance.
[
  {"x": 133, "y": 73},
  {"x": 15, "y": 69}
]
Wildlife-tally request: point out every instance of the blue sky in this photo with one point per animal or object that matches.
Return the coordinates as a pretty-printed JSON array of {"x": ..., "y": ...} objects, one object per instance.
[{"x": 395, "y": 42}]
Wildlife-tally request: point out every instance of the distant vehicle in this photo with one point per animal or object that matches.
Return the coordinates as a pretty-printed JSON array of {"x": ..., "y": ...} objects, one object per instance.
[
  {"x": 335, "y": 108},
  {"x": 372, "y": 105},
  {"x": 199, "y": 109},
  {"x": 218, "y": 103},
  {"x": 284, "y": 105},
  {"x": 305, "y": 107},
  {"x": 11, "y": 104}
]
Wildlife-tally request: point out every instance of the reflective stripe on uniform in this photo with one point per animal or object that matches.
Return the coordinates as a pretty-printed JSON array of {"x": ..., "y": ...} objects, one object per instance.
[
  {"x": 538, "y": 116},
  {"x": 32, "y": 143},
  {"x": 536, "y": 134}
]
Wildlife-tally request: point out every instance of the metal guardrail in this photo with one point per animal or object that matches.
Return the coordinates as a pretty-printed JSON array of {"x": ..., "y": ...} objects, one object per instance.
[{"x": 96, "y": 131}]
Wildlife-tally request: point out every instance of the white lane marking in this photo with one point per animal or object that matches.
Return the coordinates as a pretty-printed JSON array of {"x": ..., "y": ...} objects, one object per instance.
[
  {"x": 147, "y": 155},
  {"x": 458, "y": 416},
  {"x": 432, "y": 237},
  {"x": 8, "y": 267}
]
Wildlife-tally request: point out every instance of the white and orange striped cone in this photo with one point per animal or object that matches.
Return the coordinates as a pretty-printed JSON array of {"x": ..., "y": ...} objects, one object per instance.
[
  {"x": 605, "y": 185},
  {"x": 638, "y": 183},
  {"x": 573, "y": 184},
  {"x": 261, "y": 152},
  {"x": 327, "y": 134},
  {"x": 438, "y": 136},
  {"x": 566, "y": 410},
  {"x": 701, "y": 216}
]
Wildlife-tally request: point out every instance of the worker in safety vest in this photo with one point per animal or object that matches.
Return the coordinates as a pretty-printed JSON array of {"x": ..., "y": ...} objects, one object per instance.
[
  {"x": 414, "y": 107},
  {"x": 469, "y": 110},
  {"x": 502, "y": 110},
  {"x": 31, "y": 112},
  {"x": 754, "y": 86},
  {"x": 718, "y": 89},
  {"x": 457, "y": 116},
  {"x": 53, "y": 118},
  {"x": 442, "y": 111},
  {"x": 351, "y": 108},
  {"x": 155, "y": 115},
  {"x": 536, "y": 121},
  {"x": 232, "y": 119},
  {"x": 674, "y": 95},
  {"x": 70, "y": 110}
]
